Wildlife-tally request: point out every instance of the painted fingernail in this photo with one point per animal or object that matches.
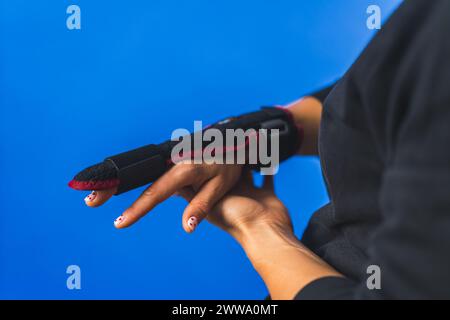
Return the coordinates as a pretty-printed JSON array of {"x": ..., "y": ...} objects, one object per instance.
[
  {"x": 91, "y": 197},
  {"x": 119, "y": 221},
  {"x": 192, "y": 223}
]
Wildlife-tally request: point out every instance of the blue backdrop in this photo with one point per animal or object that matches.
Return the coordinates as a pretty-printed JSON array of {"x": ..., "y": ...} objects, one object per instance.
[{"x": 135, "y": 71}]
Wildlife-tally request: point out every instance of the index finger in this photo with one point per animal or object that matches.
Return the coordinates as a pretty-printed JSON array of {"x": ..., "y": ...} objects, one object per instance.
[{"x": 177, "y": 177}]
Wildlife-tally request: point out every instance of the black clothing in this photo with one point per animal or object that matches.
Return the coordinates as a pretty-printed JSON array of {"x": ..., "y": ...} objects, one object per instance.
[
  {"x": 385, "y": 154},
  {"x": 322, "y": 94}
]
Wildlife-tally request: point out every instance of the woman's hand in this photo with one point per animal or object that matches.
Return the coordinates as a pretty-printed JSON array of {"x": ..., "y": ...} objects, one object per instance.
[
  {"x": 211, "y": 182},
  {"x": 258, "y": 220},
  {"x": 247, "y": 208},
  {"x": 208, "y": 183}
]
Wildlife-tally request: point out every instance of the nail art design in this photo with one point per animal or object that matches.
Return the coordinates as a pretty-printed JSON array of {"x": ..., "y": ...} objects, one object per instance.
[
  {"x": 91, "y": 197},
  {"x": 119, "y": 220},
  {"x": 192, "y": 223}
]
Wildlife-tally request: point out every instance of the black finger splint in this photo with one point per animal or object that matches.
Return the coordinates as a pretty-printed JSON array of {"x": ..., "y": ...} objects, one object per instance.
[{"x": 138, "y": 167}]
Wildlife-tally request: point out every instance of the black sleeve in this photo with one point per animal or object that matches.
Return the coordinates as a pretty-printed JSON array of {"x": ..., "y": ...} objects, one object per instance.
[
  {"x": 336, "y": 288},
  {"x": 323, "y": 93},
  {"x": 412, "y": 243}
]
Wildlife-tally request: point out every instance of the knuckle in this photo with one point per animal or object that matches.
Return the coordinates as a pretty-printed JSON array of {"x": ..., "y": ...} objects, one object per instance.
[
  {"x": 151, "y": 193},
  {"x": 181, "y": 171},
  {"x": 195, "y": 169},
  {"x": 188, "y": 171}
]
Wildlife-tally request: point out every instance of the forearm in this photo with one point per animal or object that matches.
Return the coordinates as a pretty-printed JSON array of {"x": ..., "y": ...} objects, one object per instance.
[
  {"x": 284, "y": 264},
  {"x": 307, "y": 113}
]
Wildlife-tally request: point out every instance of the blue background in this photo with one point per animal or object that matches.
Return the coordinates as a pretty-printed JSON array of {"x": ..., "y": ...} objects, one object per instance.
[{"x": 136, "y": 71}]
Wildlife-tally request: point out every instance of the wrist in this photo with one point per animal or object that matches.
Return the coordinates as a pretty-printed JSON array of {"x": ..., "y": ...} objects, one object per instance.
[
  {"x": 260, "y": 240},
  {"x": 282, "y": 261}
]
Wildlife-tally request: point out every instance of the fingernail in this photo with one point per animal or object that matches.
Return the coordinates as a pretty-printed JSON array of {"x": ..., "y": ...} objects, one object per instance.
[
  {"x": 119, "y": 221},
  {"x": 91, "y": 197},
  {"x": 192, "y": 223}
]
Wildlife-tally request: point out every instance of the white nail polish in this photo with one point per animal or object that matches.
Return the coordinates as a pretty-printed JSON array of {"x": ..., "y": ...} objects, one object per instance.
[
  {"x": 119, "y": 221},
  {"x": 192, "y": 223},
  {"x": 91, "y": 197}
]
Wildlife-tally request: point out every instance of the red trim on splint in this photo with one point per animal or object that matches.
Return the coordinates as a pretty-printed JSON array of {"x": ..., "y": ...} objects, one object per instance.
[
  {"x": 94, "y": 185},
  {"x": 287, "y": 111}
]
